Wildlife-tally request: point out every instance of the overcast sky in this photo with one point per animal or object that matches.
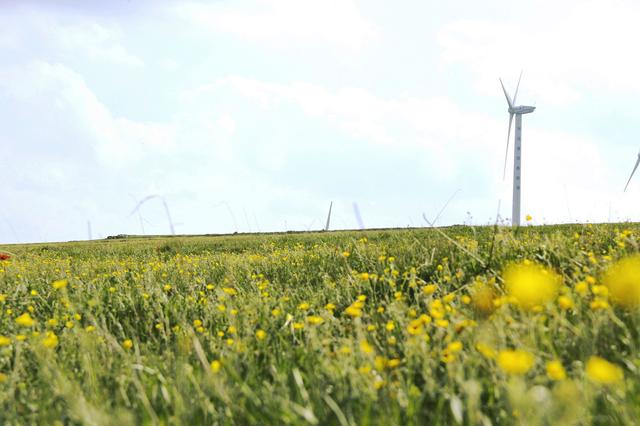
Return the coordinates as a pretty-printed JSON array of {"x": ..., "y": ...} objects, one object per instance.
[{"x": 255, "y": 115}]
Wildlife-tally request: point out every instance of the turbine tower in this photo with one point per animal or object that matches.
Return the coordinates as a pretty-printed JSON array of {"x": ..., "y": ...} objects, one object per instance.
[
  {"x": 518, "y": 111},
  {"x": 633, "y": 171}
]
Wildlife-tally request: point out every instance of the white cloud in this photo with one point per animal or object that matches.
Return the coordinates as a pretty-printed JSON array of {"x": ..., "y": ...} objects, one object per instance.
[
  {"x": 286, "y": 23},
  {"x": 565, "y": 48},
  {"x": 48, "y": 35}
]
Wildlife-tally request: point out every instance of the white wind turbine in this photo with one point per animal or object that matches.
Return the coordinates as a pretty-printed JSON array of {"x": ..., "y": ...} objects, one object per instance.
[
  {"x": 633, "y": 171},
  {"x": 518, "y": 111}
]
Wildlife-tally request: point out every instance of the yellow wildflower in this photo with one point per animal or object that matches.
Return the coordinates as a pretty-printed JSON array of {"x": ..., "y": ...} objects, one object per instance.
[
  {"x": 59, "y": 284},
  {"x": 51, "y": 341},
  {"x": 127, "y": 344},
  {"x": 555, "y": 370},
  {"x": 623, "y": 281},
  {"x": 486, "y": 350},
  {"x": 366, "y": 347},
  {"x": 515, "y": 361},
  {"x": 25, "y": 320},
  {"x": 261, "y": 334},
  {"x": 429, "y": 289},
  {"x": 531, "y": 284},
  {"x": 303, "y": 306},
  {"x": 602, "y": 371},
  {"x": 216, "y": 365},
  {"x": 4, "y": 341},
  {"x": 565, "y": 302},
  {"x": 315, "y": 319}
]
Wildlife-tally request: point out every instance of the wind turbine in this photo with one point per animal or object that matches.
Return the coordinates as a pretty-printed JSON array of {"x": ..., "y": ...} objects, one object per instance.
[
  {"x": 634, "y": 170},
  {"x": 518, "y": 111}
]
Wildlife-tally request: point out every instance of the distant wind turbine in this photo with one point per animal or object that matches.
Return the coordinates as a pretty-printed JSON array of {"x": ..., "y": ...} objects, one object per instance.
[
  {"x": 166, "y": 209},
  {"x": 518, "y": 111},
  {"x": 633, "y": 171},
  {"x": 326, "y": 228}
]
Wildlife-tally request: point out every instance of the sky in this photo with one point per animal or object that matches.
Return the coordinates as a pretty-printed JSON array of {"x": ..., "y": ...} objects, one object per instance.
[{"x": 247, "y": 116}]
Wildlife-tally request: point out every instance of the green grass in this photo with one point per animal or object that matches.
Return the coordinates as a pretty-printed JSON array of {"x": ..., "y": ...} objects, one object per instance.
[{"x": 153, "y": 291}]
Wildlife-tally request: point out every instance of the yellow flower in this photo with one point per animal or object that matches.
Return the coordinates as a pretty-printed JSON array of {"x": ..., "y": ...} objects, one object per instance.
[
  {"x": 315, "y": 320},
  {"x": 304, "y": 306},
  {"x": 261, "y": 334},
  {"x": 486, "y": 350},
  {"x": 415, "y": 327},
  {"x": 230, "y": 291},
  {"x": 528, "y": 218},
  {"x": 4, "y": 341},
  {"x": 364, "y": 276},
  {"x": 89, "y": 328},
  {"x": 555, "y": 370},
  {"x": 366, "y": 347},
  {"x": 565, "y": 302},
  {"x": 346, "y": 254},
  {"x": 25, "y": 320},
  {"x": 515, "y": 361},
  {"x": 623, "y": 281},
  {"x": 602, "y": 371},
  {"x": 597, "y": 304},
  {"x": 353, "y": 311},
  {"x": 454, "y": 347},
  {"x": 298, "y": 325},
  {"x": 393, "y": 363},
  {"x": 127, "y": 344},
  {"x": 166, "y": 287},
  {"x": 59, "y": 284},
  {"x": 276, "y": 312},
  {"x": 197, "y": 323},
  {"x": 215, "y": 366},
  {"x": 531, "y": 284},
  {"x": 51, "y": 341},
  {"x": 390, "y": 326},
  {"x": 429, "y": 289},
  {"x": 330, "y": 307}
]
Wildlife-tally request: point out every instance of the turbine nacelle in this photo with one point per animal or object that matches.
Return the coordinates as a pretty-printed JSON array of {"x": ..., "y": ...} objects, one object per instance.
[{"x": 522, "y": 109}]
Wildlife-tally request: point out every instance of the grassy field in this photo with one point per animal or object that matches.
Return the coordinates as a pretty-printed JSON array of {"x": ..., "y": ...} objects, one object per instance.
[{"x": 460, "y": 325}]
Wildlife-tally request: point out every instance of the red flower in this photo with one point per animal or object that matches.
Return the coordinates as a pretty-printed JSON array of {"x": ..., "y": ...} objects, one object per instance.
[{"x": 4, "y": 256}]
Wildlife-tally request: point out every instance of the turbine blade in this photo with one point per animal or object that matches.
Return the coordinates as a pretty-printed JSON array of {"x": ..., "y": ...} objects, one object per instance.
[
  {"x": 634, "y": 170},
  {"x": 506, "y": 95},
  {"x": 506, "y": 152},
  {"x": 515, "y": 95}
]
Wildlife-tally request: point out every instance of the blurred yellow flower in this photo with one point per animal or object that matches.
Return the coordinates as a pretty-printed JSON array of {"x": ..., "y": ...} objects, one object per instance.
[
  {"x": 261, "y": 334},
  {"x": 565, "y": 302},
  {"x": 4, "y": 341},
  {"x": 59, "y": 284},
  {"x": 531, "y": 284},
  {"x": 515, "y": 361},
  {"x": 366, "y": 347},
  {"x": 25, "y": 320},
  {"x": 315, "y": 319},
  {"x": 555, "y": 370},
  {"x": 215, "y": 366},
  {"x": 303, "y": 306},
  {"x": 51, "y": 341},
  {"x": 623, "y": 281},
  {"x": 429, "y": 289},
  {"x": 127, "y": 344},
  {"x": 353, "y": 311},
  {"x": 602, "y": 371},
  {"x": 486, "y": 350}
]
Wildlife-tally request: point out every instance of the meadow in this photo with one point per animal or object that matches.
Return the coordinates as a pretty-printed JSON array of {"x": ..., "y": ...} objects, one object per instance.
[{"x": 458, "y": 325}]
